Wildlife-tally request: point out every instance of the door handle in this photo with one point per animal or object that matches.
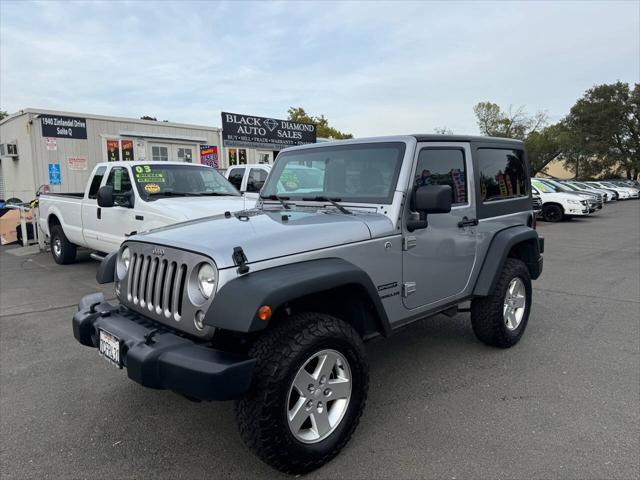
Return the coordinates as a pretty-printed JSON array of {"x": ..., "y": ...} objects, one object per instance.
[
  {"x": 467, "y": 222},
  {"x": 99, "y": 213}
]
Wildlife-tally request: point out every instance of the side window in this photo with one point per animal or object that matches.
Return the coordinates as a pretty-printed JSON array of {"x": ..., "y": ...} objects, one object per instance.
[
  {"x": 235, "y": 177},
  {"x": 443, "y": 167},
  {"x": 120, "y": 181},
  {"x": 257, "y": 176},
  {"x": 96, "y": 181},
  {"x": 502, "y": 174}
]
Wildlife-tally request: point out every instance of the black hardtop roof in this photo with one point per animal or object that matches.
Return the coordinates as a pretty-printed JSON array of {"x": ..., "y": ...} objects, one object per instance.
[{"x": 432, "y": 137}]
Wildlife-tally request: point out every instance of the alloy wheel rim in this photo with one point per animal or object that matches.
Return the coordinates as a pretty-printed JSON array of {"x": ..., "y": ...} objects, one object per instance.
[
  {"x": 319, "y": 396},
  {"x": 57, "y": 247},
  {"x": 515, "y": 303}
]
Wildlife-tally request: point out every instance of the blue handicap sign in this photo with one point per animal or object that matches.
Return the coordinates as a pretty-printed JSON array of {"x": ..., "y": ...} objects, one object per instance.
[{"x": 54, "y": 174}]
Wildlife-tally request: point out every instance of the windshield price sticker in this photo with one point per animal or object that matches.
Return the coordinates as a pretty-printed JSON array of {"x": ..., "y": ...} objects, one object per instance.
[
  {"x": 144, "y": 174},
  {"x": 152, "y": 188}
]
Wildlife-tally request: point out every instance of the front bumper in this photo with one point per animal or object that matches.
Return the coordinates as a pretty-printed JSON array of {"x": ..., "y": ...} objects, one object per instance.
[{"x": 159, "y": 358}]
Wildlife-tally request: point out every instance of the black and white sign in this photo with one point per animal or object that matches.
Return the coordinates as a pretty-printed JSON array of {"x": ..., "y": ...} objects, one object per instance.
[
  {"x": 260, "y": 132},
  {"x": 63, "y": 127}
]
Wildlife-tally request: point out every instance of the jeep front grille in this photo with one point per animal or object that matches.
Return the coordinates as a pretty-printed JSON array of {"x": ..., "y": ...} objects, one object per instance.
[{"x": 157, "y": 285}]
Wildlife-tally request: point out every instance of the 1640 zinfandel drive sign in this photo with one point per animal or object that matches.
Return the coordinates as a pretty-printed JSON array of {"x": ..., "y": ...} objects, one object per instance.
[{"x": 260, "y": 132}]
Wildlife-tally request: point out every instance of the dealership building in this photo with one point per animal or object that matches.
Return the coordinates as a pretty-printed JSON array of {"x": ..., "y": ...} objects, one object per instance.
[{"x": 59, "y": 149}]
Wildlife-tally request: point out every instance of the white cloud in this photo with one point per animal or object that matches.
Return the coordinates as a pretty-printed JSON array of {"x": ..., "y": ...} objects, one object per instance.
[{"x": 371, "y": 68}]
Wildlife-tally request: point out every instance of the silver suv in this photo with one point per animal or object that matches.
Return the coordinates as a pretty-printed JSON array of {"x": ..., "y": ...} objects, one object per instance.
[{"x": 350, "y": 240}]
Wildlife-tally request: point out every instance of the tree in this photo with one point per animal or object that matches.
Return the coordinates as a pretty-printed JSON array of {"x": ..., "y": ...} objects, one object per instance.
[
  {"x": 444, "y": 130},
  {"x": 147, "y": 117},
  {"x": 3, "y": 114},
  {"x": 298, "y": 114},
  {"x": 542, "y": 140},
  {"x": 604, "y": 127}
]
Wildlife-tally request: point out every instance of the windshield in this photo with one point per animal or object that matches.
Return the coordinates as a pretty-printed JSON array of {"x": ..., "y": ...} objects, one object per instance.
[
  {"x": 543, "y": 187},
  {"x": 570, "y": 186},
  {"x": 582, "y": 185},
  {"x": 157, "y": 180},
  {"x": 363, "y": 173}
]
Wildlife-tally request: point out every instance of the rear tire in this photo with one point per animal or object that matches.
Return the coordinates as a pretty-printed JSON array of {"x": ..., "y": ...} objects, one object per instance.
[
  {"x": 552, "y": 213},
  {"x": 500, "y": 319},
  {"x": 308, "y": 393},
  {"x": 62, "y": 250}
]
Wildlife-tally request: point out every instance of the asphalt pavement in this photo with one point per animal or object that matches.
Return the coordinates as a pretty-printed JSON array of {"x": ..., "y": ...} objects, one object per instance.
[{"x": 563, "y": 403}]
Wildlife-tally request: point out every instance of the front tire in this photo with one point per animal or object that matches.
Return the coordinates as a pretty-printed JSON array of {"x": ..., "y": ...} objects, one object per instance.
[
  {"x": 500, "y": 319},
  {"x": 63, "y": 251},
  {"x": 552, "y": 213},
  {"x": 309, "y": 391}
]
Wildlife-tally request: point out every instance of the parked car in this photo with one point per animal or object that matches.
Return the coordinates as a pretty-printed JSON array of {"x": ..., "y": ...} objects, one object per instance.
[
  {"x": 610, "y": 195},
  {"x": 124, "y": 198},
  {"x": 274, "y": 303},
  {"x": 557, "y": 205},
  {"x": 248, "y": 179},
  {"x": 623, "y": 193},
  {"x": 594, "y": 200},
  {"x": 606, "y": 196},
  {"x": 633, "y": 192}
]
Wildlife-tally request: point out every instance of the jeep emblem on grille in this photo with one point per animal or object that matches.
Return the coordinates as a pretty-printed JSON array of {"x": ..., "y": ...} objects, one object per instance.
[{"x": 158, "y": 251}]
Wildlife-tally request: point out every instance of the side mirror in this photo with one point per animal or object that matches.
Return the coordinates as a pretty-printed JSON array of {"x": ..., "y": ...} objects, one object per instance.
[
  {"x": 105, "y": 196},
  {"x": 429, "y": 199}
]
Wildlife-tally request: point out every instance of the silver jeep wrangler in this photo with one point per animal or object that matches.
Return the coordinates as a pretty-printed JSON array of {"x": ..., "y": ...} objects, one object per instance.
[{"x": 351, "y": 240}]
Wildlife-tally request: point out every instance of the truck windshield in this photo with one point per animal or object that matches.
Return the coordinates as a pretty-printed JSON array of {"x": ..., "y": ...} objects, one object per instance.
[
  {"x": 362, "y": 173},
  {"x": 156, "y": 180}
]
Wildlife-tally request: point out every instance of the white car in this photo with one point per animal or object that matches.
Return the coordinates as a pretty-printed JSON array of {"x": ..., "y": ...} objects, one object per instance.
[
  {"x": 624, "y": 193},
  {"x": 248, "y": 179},
  {"x": 124, "y": 198},
  {"x": 558, "y": 205}
]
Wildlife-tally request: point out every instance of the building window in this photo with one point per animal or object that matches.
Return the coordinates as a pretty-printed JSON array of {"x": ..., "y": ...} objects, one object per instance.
[
  {"x": 262, "y": 157},
  {"x": 96, "y": 181},
  {"x": 159, "y": 153},
  {"x": 233, "y": 156},
  {"x": 443, "y": 167},
  {"x": 256, "y": 179},
  {"x": 185, "y": 154},
  {"x": 242, "y": 156},
  {"x": 502, "y": 174}
]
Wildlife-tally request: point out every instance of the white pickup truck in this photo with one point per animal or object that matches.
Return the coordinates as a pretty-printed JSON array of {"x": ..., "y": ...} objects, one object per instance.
[{"x": 122, "y": 198}]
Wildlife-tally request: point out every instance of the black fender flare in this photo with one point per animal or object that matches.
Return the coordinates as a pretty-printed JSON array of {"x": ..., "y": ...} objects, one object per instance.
[
  {"x": 235, "y": 306},
  {"x": 501, "y": 244}
]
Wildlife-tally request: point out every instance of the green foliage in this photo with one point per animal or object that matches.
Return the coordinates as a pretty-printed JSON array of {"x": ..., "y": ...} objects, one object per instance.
[
  {"x": 3, "y": 114},
  {"x": 604, "y": 127},
  {"x": 322, "y": 124}
]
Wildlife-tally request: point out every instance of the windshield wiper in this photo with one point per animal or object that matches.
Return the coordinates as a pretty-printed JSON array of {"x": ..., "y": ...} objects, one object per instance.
[
  {"x": 173, "y": 194},
  {"x": 216, "y": 194},
  {"x": 332, "y": 201},
  {"x": 280, "y": 199}
]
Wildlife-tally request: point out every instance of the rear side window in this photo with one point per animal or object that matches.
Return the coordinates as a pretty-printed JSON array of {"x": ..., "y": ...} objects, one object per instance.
[
  {"x": 235, "y": 177},
  {"x": 502, "y": 174},
  {"x": 96, "y": 181},
  {"x": 257, "y": 176},
  {"x": 443, "y": 167}
]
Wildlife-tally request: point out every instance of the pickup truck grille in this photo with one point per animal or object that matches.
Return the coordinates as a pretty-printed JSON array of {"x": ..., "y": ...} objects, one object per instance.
[{"x": 158, "y": 285}]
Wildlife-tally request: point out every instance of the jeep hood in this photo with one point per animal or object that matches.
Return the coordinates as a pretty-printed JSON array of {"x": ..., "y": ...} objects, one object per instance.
[
  {"x": 268, "y": 234},
  {"x": 189, "y": 208}
]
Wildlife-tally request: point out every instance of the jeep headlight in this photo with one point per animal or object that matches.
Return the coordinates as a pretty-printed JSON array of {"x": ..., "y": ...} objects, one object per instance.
[
  {"x": 207, "y": 279},
  {"x": 124, "y": 260}
]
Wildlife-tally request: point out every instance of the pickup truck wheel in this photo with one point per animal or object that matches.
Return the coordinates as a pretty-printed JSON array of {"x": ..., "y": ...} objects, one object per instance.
[
  {"x": 309, "y": 390},
  {"x": 500, "y": 319},
  {"x": 552, "y": 213},
  {"x": 63, "y": 251}
]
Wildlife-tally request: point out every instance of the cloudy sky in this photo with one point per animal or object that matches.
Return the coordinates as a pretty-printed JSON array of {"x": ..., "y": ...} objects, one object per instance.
[{"x": 371, "y": 68}]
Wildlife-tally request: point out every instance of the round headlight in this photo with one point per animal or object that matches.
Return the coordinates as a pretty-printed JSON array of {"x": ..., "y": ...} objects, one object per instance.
[
  {"x": 125, "y": 258},
  {"x": 207, "y": 278}
]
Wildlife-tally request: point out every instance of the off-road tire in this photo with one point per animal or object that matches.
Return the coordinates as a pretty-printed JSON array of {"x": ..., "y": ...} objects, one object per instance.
[
  {"x": 280, "y": 352},
  {"x": 68, "y": 250},
  {"x": 552, "y": 213},
  {"x": 487, "y": 317}
]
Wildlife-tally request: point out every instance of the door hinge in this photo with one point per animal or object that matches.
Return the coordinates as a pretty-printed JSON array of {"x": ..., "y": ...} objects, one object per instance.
[
  {"x": 409, "y": 242},
  {"x": 408, "y": 288}
]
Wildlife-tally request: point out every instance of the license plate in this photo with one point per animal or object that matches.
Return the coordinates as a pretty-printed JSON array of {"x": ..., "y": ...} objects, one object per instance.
[{"x": 110, "y": 348}]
